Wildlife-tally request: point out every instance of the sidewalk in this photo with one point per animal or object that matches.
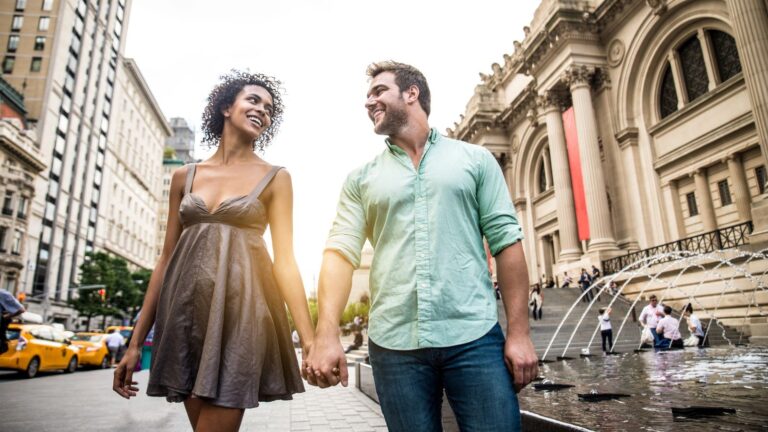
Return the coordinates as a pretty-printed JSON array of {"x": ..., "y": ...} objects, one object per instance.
[{"x": 84, "y": 402}]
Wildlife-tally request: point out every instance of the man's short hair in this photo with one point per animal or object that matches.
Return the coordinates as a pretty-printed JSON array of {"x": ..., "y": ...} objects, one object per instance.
[
  {"x": 405, "y": 77},
  {"x": 667, "y": 310},
  {"x": 652, "y": 297}
]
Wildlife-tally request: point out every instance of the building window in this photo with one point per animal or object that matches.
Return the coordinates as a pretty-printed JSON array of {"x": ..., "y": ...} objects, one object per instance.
[
  {"x": 22, "y": 212},
  {"x": 17, "y": 22},
  {"x": 542, "y": 177},
  {"x": 16, "y": 249},
  {"x": 13, "y": 43},
  {"x": 761, "y": 178},
  {"x": 725, "y": 193},
  {"x": 8, "y": 203},
  {"x": 668, "y": 96},
  {"x": 8, "y": 63},
  {"x": 21, "y": 4},
  {"x": 47, "y": 5},
  {"x": 693, "y": 210},
  {"x": 3, "y": 232},
  {"x": 36, "y": 65},
  {"x": 39, "y": 43},
  {"x": 10, "y": 282},
  {"x": 43, "y": 24},
  {"x": 694, "y": 71},
  {"x": 726, "y": 55}
]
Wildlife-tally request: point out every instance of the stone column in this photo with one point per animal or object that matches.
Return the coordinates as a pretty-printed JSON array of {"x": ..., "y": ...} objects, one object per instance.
[
  {"x": 600, "y": 230},
  {"x": 740, "y": 188},
  {"x": 570, "y": 249},
  {"x": 749, "y": 19},
  {"x": 704, "y": 200}
]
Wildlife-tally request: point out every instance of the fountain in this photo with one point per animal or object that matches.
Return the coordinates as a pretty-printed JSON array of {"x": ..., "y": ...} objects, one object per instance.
[{"x": 724, "y": 386}]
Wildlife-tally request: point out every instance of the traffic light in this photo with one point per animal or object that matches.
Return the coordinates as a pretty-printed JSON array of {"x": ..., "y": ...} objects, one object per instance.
[{"x": 103, "y": 294}]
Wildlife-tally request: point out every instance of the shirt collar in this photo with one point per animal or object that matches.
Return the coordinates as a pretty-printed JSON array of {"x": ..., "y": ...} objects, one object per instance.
[{"x": 432, "y": 138}]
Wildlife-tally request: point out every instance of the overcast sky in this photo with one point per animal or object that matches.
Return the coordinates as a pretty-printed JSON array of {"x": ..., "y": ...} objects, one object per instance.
[{"x": 319, "y": 49}]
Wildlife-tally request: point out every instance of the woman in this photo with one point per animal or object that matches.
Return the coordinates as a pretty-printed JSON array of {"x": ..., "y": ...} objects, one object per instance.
[
  {"x": 535, "y": 300},
  {"x": 694, "y": 324},
  {"x": 222, "y": 341}
]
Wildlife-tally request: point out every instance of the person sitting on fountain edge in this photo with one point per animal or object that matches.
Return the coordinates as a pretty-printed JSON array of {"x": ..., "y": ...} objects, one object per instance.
[
  {"x": 668, "y": 331},
  {"x": 650, "y": 315},
  {"x": 694, "y": 324}
]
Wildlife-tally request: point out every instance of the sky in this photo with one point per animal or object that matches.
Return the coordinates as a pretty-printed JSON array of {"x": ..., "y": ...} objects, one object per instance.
[{"x": 319, "y": 49}]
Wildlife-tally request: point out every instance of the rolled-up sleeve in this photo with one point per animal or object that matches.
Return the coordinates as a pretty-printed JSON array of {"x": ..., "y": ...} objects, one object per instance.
[
  {"x": 347, "y": 234},
  {"x": 498, "y": 219}
]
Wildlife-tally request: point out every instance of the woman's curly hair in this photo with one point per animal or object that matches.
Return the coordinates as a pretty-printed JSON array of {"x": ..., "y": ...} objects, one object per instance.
[{"x": 223, "y": 96}]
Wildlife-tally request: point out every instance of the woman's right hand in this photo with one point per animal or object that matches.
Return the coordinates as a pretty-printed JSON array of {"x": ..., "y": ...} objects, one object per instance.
[{"x": 123, "y": 383}]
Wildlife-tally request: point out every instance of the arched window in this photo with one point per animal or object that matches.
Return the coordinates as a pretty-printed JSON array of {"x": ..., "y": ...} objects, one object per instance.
[
  {"x": 542, "y": 176},
  {"x": 692, "y": 64},
  {"x": 726, "y": 55},
  {"x": 668, "y": 95},
  {"x": 694, "y": 71}
]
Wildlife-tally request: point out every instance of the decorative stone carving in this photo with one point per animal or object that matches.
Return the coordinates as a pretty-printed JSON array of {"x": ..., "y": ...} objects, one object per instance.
[
  {"x": 658, "y": 6},
  {"x": 601, "y": 79},
  {"x": 578, "y": 75},
  {"x": 616, "y": 51}
]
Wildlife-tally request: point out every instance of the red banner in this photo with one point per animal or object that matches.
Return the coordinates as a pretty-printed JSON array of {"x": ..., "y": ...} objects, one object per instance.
[{"x": 577, "y": 182}]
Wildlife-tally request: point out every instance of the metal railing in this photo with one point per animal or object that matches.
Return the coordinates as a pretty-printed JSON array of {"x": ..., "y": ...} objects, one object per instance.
[{"x": 723, "y": 238}]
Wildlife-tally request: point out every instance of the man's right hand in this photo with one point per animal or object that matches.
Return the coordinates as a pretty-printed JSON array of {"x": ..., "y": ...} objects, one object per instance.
[{"x": 327, "y": 365}]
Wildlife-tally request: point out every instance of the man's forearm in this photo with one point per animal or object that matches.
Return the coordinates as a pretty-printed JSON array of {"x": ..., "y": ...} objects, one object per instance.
[
  {"x": 333, "y": 292},
  {"x": 512, "y": 274}
]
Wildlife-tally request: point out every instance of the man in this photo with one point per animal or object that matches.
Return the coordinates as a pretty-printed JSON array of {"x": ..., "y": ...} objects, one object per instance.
[
  {"x": 650, "y": 315},
  {"x": 584, "y": 282},
  {"x": 668, "y": 331},
  {"x": 566, "y": 280},
  {"x": 114, "y": 341},
  {"x": 425, "y": 205},
  {"x": 694, "y": 324},
  {"x": 9, "y": 307}
]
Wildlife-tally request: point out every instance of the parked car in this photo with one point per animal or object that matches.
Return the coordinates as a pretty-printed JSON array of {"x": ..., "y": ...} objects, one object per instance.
[
  {"x": 38, "y": 347},
  {"x": 93, "y": 349}
]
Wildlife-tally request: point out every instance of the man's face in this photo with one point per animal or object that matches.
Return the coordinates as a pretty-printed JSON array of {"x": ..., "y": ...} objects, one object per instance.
[
  {"x": 385, "y": 105},
  {"x": 654, "y": 302}
]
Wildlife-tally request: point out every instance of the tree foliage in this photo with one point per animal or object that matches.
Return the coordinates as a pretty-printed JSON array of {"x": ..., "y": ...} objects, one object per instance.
[{"x": 124, "y": 290}]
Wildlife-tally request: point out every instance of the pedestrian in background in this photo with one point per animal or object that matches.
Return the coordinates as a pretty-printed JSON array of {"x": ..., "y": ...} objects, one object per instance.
[
  {"x": 566, "y": 280},
  {"x": 115, "y": 342},
  {"x": 606, "y": 330},
  {"x": 9, "y": 308},
  {"x": 536, "y": 300},
  {"x": 585, "y": 281}
]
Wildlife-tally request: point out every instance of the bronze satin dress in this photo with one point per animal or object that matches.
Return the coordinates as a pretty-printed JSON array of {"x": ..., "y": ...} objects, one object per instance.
[{"x": 221, "y": 329}]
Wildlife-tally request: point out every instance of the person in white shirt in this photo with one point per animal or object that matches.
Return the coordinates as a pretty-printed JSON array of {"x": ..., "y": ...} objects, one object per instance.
[
  {"x": 650, "y": 316},
  {"x": 114, "y": 341},
  {"x": 668, "y": 331},
  {"x": 694, "y": 324},
  {"x": 606, "y": 331}
]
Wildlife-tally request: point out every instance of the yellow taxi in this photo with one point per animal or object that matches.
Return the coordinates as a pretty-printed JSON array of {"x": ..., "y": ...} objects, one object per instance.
[
  {"x": 38, "y": 347},
  {"x": 93, "y": 349}
]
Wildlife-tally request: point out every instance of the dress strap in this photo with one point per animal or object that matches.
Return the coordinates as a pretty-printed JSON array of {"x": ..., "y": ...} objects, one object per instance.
[
  {"x": 264, "y": 183},
  {"x": 190, "y": 178}
]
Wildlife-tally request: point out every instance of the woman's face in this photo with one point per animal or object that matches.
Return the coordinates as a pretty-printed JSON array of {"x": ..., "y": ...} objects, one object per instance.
[{"x": 251, "y": 112}]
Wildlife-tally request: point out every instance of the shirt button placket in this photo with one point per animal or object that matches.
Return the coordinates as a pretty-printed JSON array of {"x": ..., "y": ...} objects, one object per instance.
[{"x": 423, "y": 288}]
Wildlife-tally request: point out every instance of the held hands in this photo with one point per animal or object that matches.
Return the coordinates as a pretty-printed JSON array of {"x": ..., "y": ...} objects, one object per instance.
[
  {"x": 521, "y": 360},
  {"x": 326, "y": 365},
  {"x": 123, "y": 383}
]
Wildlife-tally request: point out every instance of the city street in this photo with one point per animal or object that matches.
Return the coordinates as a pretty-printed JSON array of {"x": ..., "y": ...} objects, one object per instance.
[{"x": 84, "y": 401}]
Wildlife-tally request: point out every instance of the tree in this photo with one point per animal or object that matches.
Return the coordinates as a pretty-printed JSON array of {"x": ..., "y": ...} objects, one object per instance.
[{"x": 122, "y": 294}]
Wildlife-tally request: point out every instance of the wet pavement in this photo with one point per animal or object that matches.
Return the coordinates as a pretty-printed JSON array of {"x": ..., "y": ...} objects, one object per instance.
[{"x": 732, "y": 377}]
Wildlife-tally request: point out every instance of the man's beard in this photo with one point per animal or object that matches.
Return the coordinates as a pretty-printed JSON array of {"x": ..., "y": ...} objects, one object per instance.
[{"x": 394, "y": 120}]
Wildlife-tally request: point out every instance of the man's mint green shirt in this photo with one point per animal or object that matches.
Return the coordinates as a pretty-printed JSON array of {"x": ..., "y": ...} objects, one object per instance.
[{"x": 430, "y": 285}]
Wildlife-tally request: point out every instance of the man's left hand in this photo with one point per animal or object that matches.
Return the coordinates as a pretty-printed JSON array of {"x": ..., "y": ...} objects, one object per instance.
[{"x": 521, "y": 360}]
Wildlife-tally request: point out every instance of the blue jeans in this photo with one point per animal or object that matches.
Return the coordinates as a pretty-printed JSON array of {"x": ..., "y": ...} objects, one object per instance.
[
  {"x": 474, "y": 375},
  {"x": 656, "y": 338}
]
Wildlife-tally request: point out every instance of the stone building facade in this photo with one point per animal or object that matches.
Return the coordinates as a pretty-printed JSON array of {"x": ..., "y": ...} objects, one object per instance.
[
  {"x": 127, "y": 224},
  {"x": 20, "y": 164},
  {"x": 622, "y": 125}
]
